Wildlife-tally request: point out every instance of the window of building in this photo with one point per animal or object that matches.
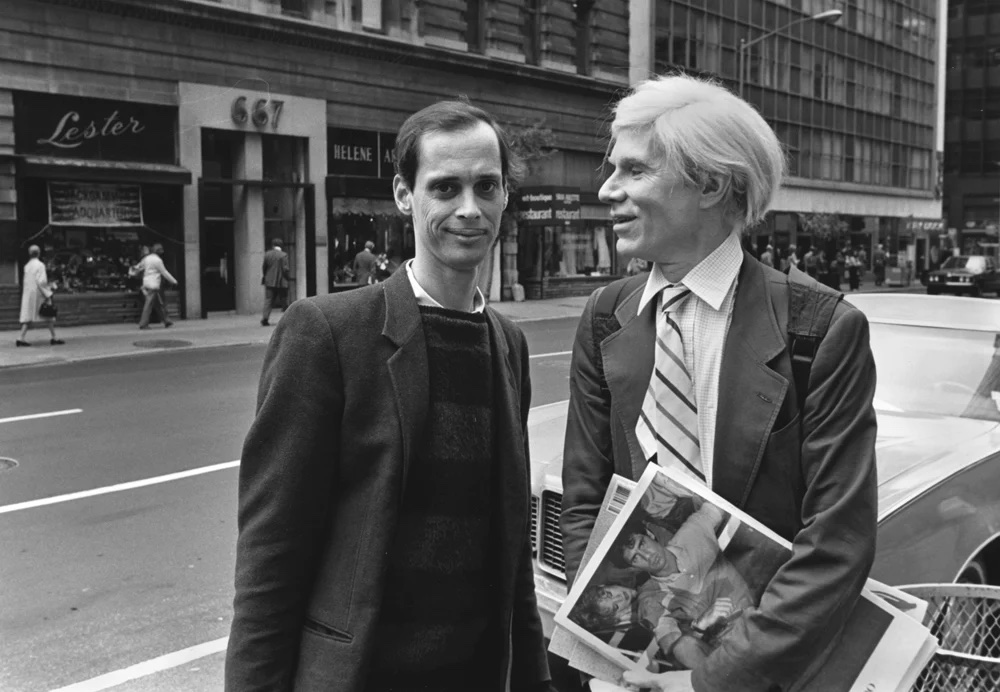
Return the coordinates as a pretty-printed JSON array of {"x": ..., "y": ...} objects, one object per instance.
[{"x": 295, "y": 8}]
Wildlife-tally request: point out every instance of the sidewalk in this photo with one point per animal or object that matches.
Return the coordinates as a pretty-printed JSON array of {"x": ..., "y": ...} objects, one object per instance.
[{"x": 116, "y": 340}]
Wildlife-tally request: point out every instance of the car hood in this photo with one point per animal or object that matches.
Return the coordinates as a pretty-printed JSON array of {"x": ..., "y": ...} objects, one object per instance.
[{"x": 915, "y": 452}]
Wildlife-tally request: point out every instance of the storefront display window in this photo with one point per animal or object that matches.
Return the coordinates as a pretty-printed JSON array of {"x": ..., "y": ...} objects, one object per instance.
[
  {"x": 353, "y": 222},
  {"x": 565, "y": 251},
  {"x": 91, "y": 234}
]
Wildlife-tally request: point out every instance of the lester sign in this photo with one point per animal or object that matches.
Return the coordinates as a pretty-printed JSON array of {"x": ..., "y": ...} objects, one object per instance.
[{"x": 549, "y": 206}]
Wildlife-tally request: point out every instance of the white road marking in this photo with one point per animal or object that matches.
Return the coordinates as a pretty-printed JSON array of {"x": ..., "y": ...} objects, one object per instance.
[
  {"x": 552, "y": 355},
  {"x": 33, "y": 416},
  {"x": 154, "y": 665},
  {"x": 131, "y": 485}
]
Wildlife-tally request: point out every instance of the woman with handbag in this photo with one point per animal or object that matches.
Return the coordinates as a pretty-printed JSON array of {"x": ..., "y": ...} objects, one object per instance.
[{"x": 36, "y": 298}]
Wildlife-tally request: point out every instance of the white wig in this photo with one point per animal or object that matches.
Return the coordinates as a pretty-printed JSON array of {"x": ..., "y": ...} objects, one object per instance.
[{"x": 707, "y": 132}]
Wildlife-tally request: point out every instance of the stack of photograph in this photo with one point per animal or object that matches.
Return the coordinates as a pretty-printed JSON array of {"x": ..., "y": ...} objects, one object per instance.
[{"x": 672, "y": 567}]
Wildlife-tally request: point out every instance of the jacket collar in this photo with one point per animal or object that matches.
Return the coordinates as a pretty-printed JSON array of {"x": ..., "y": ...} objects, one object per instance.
[{"x": 750, "y": 392}]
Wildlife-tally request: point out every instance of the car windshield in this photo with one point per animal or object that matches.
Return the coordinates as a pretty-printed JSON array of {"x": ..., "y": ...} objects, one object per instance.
[
  {"x": 950, "y": 372},
  {"x": 971, "y": 263}
]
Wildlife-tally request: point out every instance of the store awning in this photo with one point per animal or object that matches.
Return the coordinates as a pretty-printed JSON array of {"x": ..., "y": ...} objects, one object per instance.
[{"x": 51, "y": 167}]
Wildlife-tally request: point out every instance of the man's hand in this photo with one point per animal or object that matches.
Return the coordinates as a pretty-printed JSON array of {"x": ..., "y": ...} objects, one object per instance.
[
  {"x": 721, "y": 609},
  {"x": 674, "y": 681}
]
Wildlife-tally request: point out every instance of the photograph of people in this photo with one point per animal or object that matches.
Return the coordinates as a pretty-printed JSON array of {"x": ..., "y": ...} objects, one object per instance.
[
  {"x": 670, "y": 578},
  {"x": 696, "y": 589}
]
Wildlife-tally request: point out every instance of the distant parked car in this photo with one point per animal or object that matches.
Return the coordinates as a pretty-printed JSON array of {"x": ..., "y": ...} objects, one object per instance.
[
  {"x": 972, "y": 274},
  {"x": 938, "y": 451}
]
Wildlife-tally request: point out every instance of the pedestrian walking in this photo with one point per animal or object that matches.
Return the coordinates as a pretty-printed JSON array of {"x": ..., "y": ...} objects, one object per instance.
[
  {"x": 364, "y": 264},
  {"x": 878, "y": 264},
  {"x": 767, "y": 257},
  {"x": 688, "y": 368},
  {"x": 811, "y": 261},
  {"x": 853, "y": 272},
  {"x": 153, "y": 272},
  {"x": 36, "y": 299},
  {"x": 276, "y": 276},
  {"x": 383, "y": 495}
]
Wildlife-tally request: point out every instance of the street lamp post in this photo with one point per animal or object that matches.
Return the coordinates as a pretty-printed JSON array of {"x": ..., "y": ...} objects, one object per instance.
[{"x": 827, "y": 16}]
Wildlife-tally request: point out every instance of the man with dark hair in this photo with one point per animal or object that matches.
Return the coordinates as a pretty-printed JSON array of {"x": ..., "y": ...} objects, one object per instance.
[
  {"x": 275, "y": 280},
  {"x": 384, "y": 505}
]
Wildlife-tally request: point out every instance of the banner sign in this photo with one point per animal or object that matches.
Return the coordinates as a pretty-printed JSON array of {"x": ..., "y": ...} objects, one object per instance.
[
  {"x": 85, "y": 128},
  {"x": 918, "y": 225},
  {"x": 360, "y": 153},
  {"x": 548, "y": 206},
  {"x": 94, "y": 204}
]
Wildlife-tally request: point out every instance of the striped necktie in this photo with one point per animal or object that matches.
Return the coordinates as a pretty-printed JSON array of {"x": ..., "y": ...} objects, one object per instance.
[{"x": 668, "y": 421}]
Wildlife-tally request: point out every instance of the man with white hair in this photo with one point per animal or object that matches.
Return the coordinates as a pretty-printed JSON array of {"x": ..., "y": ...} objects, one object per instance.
[{"x": 691, "y": 368}]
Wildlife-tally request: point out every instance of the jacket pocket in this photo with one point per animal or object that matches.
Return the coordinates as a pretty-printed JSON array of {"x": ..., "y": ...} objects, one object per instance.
[{"x": 318, "y": 628}]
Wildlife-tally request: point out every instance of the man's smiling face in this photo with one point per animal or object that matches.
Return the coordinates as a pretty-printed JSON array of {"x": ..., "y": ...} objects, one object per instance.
[
  {"x": 656, "y": 214},
  {"x": 458, "y": 197}
]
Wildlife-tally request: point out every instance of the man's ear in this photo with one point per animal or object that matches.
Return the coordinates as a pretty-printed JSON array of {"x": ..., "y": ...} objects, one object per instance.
[
  {"x": 402, "y": 194},
  {"x": 713, "y": 192}
]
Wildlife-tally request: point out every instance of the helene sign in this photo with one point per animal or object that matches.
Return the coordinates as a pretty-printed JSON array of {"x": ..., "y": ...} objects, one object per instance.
[
  {"x": 84, "y": 128},
  {"x": 360, "y": 153},
  {"x": 94, "y": 204},
  {"x": 549, "y": 206}
]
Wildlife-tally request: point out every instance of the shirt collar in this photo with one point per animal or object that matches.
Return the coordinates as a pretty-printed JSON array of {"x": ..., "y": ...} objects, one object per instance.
[
  {"x": 424, "y": 298},
  {"x": 710, "y": 280}
]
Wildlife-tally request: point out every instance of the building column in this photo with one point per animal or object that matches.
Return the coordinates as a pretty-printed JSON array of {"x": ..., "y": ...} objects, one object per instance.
[
  {"x": 8, "y": 192},
  {"x": 248, "y": 227}
]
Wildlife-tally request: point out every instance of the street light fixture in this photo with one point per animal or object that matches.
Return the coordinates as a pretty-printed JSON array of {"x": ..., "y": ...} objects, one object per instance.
[{"x": 826, "y": 16}]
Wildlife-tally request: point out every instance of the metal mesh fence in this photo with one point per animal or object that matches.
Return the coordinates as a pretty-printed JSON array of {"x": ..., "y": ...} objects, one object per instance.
[{"x": 966, "y": 620}]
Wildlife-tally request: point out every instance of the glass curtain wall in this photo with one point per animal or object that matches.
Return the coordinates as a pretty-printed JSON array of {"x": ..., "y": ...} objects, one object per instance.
[{"x": 852, "y": 102}]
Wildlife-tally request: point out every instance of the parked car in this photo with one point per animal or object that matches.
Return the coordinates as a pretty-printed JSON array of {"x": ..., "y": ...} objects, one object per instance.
[
  {"x": 972, "y": 274},
  {"x": 938, "y": 449}
]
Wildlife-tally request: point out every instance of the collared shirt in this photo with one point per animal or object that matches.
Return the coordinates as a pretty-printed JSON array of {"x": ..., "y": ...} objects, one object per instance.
[
  {"x": 704, "y": 320},
  {"x": 424, "y": 298}
]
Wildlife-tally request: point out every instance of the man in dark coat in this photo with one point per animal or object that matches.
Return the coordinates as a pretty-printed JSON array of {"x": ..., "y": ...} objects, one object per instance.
[
  {"x": 384, "y": 522},
  {"x": 692, "y": 166},
  {"x": 364, "y": 264},
  {"x": 275, "y": 279}
]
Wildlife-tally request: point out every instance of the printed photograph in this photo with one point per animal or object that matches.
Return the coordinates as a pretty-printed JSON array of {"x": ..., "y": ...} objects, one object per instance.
[{"x": 670, "y": 578}]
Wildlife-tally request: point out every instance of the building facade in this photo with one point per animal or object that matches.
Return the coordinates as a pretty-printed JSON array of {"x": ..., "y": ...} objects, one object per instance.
[
  {"x": 972, "y": 126},
  {"x": 856, "y": 104},
  {"x": 213, "y": 126}
]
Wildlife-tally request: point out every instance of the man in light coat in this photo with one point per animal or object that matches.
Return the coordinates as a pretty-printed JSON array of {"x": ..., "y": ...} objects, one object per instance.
[{"x": 153, "y": 272}]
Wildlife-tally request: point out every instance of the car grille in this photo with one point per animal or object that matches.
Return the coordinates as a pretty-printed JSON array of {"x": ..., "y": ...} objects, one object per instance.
[
  {"x": 550, "y": 548},
  {"x": 534, "y": 526}
]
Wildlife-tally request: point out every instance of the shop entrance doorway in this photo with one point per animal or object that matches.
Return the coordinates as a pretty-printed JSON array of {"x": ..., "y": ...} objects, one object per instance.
[{"x": 218, "y": 252}]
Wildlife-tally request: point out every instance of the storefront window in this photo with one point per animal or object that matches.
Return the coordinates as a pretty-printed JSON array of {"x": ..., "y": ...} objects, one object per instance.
[
  {"x": 353, "y": 222},
  {"x": 583, "y": 249},
  {"x": 83, "y": 255}
]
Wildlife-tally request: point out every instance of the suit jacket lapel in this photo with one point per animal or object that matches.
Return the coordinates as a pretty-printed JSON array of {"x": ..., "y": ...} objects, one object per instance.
[
  {"x": 628, "y": 364},
  {"x": 750, "y": 392},
  {"x": 509, "y": 448},
  {"x": 408, "y": 367}
]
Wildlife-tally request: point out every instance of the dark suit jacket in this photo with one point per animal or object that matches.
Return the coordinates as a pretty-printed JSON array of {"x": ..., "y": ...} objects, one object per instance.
[
  {"x": 275, "y": 269},
  {"x": 808, "y": 475},
  {"x": 342, "y": 404},
  {"x": 364, "y": 266}
]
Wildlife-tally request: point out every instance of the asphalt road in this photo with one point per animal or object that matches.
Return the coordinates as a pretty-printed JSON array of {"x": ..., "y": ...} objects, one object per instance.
[{"x": 131, "y": 589}]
